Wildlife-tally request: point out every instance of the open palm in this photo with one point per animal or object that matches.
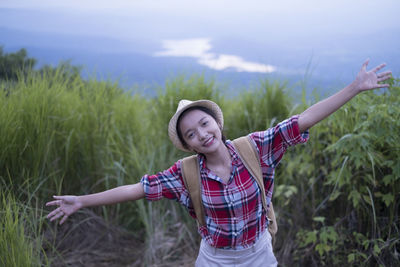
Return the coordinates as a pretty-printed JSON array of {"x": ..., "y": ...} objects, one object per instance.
[
  {"x": 367, "y": 80},
  {"x": 67, "y": 205}
]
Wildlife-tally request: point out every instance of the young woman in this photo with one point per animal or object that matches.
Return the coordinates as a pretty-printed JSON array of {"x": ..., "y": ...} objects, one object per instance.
[{"x": 235, "y": 231}]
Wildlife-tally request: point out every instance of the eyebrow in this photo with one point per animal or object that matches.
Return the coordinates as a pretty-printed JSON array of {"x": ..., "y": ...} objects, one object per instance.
[{"x": 191, "y": 129}]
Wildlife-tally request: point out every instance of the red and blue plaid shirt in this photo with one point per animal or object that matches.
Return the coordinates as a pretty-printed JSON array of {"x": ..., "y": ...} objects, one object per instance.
[{"x": 235, "y": 218}]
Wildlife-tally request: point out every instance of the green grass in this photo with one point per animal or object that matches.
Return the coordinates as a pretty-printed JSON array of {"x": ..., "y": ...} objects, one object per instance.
[
  {"x": 337, "y": 197},
  {"x": 20, "y": 238}
]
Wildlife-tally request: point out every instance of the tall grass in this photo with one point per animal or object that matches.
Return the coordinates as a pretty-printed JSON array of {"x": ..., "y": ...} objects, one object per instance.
[
  {"x": 340, "y": 193},
  {"x": 337, "y": 197},
  {"x": 20, "y": 238}
]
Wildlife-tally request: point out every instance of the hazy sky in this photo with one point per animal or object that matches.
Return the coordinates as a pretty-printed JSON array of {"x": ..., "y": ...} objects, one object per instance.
[
  {"x": 193, "y": 29},
  {"x": 131, "y": 19}
]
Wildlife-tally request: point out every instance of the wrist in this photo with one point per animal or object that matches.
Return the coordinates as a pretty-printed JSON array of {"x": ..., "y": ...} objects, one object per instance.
[
  {"x": 80, "y": 202},
  {"x": 353, "y": 89}
]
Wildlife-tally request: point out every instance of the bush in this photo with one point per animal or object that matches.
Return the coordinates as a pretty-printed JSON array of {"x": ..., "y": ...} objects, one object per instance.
[{"x": 337, "y": 197}]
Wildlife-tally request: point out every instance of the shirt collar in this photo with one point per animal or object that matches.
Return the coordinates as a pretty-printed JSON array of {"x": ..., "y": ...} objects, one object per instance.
[{"x": 231, "y": 150}]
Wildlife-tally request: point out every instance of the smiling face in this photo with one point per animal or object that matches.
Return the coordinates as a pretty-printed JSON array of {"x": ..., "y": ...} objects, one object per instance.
[{"x": 201, "y": 132}]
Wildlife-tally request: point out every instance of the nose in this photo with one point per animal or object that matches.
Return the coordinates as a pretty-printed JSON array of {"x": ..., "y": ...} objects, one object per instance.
[{"x": 202, "y": 134}]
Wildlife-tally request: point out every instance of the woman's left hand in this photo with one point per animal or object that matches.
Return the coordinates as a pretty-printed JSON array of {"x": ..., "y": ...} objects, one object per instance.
[{"x": 368, "y": 80}]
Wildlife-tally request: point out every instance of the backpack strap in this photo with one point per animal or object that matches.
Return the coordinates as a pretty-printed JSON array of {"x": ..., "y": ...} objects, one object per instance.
[
  {"x": 249, "y": 155},
  {"x": 251, "y": 160},
  {"x": 191, "y": 178}
]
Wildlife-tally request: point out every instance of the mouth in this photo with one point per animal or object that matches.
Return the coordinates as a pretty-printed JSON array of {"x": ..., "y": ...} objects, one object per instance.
[{"x": 209, "y": 142}]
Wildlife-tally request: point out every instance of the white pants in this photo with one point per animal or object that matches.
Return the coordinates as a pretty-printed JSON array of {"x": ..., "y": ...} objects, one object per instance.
[{"x": 260, "y": 254}]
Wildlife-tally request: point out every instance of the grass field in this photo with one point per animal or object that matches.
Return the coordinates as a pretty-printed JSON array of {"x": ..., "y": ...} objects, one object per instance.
[{"x": 337, "y": 197}]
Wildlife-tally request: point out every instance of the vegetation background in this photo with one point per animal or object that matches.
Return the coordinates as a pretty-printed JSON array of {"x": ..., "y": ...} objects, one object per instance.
[{"x": 337, "y": 197}]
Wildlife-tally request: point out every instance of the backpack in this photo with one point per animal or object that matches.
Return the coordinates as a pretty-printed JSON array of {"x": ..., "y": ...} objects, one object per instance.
[{"x": 250, "y": 158}]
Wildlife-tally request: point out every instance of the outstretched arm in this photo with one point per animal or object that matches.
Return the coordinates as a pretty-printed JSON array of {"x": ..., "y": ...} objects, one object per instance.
[
  {"x": 365, "y": 80},
  {"x": 67, "y": 205}
]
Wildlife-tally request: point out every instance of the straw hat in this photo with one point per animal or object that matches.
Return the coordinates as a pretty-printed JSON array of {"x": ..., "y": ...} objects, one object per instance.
[{"x": 184, "y": 105}]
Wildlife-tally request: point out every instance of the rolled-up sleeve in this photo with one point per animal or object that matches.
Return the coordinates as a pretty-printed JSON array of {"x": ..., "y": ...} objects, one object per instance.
[
  {"x": 167, "y": 184},
  {"x": 273, "y": 142}
]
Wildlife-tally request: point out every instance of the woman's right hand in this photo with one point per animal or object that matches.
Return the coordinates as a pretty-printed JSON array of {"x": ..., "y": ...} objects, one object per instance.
[{"x": 67, "y": 205}]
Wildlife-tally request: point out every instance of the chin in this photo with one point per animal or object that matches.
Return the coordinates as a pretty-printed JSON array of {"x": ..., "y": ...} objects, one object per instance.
[{"x": 211, "y": 149}]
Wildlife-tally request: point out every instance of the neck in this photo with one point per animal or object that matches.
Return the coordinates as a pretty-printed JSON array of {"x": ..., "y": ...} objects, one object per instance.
[{"x": 219, "y": 157}]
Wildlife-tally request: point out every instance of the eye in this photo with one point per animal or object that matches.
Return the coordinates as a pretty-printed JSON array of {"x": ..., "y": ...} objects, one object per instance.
[
  {"x": 204, "y": 123},
  {"x": 190, "y": 135}
]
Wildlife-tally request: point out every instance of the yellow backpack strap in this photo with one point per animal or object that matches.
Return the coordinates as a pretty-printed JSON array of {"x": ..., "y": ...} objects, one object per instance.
[
  {"x": 251, "y": 161},
  {"x": 250, "y": 158},
  {"x": 191, "y": 178}
]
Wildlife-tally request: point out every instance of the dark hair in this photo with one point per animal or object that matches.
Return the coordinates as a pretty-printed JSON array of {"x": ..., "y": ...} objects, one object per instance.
[{"x": 204, "y": 109}]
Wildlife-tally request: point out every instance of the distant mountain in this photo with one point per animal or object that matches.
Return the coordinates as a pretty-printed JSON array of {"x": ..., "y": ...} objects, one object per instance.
[
  {"x": 133, "y": 63},
  {"x": 109, "y": 58}
]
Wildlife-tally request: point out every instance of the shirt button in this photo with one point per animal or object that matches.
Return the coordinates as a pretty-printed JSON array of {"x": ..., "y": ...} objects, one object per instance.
[
  {"x": 231, "y": 203},
  {"x": 235, "y": 234}
]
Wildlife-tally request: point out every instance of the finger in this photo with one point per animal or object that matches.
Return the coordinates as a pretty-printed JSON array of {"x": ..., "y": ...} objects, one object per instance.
[
  {"x": 58, "y": 197},
  {"x": 58, "y": 215},
  {"x": 379, "y": 67},
  {"x": 64, "y": 219},
  {"x": 53, "y": 203},
  {"x": 382, "y": 85},
  {"x": 54, "y": 212},
  {"x": 383, "y": 78},
  {"x": 364, "y": 66},
  {"x": 384, "y": 74}
]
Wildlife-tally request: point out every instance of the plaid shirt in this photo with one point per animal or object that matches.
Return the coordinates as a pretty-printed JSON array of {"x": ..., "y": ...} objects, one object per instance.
[{"x": 234, "y": 215}]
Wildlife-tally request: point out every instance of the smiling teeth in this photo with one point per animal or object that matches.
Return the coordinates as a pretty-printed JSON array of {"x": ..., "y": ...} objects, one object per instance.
[{"x": 208, "y": 141}]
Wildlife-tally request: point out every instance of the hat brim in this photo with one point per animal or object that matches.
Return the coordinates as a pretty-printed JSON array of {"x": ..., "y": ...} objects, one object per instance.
[{"x": 213, "y": 107}]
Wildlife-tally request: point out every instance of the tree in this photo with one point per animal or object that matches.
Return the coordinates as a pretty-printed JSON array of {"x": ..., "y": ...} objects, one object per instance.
[{"x": 14, "y": 64}]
